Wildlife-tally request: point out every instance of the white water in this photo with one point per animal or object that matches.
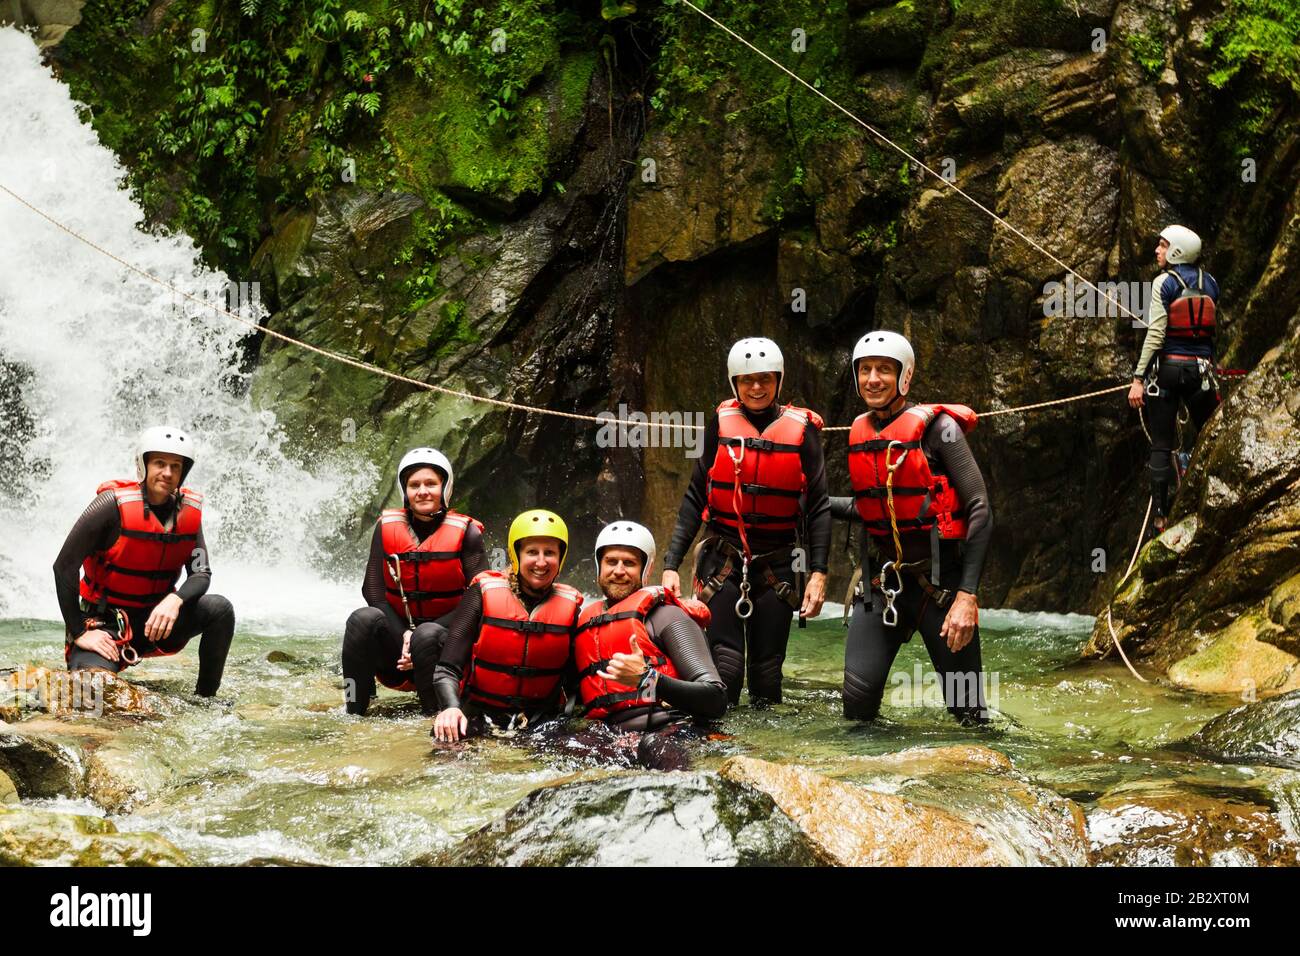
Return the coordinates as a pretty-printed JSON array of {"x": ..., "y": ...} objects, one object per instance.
[{"x": 112, "y": 352}]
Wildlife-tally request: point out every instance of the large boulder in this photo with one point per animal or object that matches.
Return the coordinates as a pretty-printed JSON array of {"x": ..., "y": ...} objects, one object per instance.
[
  {"x": 946, "y": 806},
  {"x": 1267, "y": 731},
  {"x": 672, "y": 819},
  {"x": 79, "y": 694}
]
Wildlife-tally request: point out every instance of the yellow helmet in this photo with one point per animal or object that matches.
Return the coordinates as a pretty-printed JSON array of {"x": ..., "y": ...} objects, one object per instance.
[{"x": 537, "y": 523}]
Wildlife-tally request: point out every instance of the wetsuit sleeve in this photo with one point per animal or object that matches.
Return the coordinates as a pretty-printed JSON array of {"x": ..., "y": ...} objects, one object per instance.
[
  {"x": 843, "y": 509},
  {"x": 462, "y": 632},
  {"x": 690, "y": 514},
  {"x": 95, "y": 531},
  {"x": 1157, "y": 323},
  {"x": 956, "y": 461},
  {"x": 817, "y": 502},
  {"x": 198, "y": 572},
  {"x": 697, "y": 689},
  {"x": 375, "y": 590},
  {"x": 473, "y": 559}
]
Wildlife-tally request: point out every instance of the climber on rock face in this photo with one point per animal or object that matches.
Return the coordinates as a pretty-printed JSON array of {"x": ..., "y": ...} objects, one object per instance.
[
  {"x": 761, "y": 476},
  {"x": 422, "y": 557},
  {"x": 131, "y": 544},
  {"x": 1176, "y": 364},
  {"x": 922, "y": 499}
]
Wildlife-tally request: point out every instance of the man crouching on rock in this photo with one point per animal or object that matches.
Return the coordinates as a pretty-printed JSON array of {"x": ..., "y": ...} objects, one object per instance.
[{"x": 130, "y": 545}]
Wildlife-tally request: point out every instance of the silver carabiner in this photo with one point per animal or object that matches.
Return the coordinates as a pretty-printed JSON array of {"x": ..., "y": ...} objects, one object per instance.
[
  {"x": 889, "y": 617},
  {"x": 745, "y": 600}
]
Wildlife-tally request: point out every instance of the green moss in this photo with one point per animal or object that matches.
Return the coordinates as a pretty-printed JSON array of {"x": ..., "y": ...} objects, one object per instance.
[
  {"x": 1263, "y": 34},
  {"x": 1149, "y": 51}
]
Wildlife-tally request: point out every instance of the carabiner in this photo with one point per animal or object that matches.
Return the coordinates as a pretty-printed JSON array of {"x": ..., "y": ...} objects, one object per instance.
[
  {"x": 889, "y": 617},
  {"x": 745, "y": 600}
]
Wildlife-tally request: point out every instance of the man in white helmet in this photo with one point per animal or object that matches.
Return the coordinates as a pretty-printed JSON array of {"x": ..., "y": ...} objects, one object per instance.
[
  {"x": 130, "y": 545},
  {"x": 644, "y": 663},
  {"x": 1176, "y": 364},
  {"x": 422, "y": 557},
  {"x": 922, "y": 501},
  {"x": 760, "y": 479}
]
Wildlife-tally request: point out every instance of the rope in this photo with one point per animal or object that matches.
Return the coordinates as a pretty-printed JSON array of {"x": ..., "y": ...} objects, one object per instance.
[
  {"x": 1114, "y": 637},
  {"x": 899, "y": 149}
]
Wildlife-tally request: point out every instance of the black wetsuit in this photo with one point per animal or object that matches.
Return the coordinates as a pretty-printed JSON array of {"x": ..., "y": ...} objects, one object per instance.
[
  {"x": 696, "y": 694},
  {"x": 372, "y": 638},
  {"x": 211, "y": 615},
  {"x": 871, "y": 647},
  {"x": 458, "y": 653},
  {"x": 1182, "y": 369},
  {"x": 768, "y": 629}
]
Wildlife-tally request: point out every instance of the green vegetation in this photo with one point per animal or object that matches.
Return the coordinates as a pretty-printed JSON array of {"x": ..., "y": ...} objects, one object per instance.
[
  {"x": 1149, "y": 51},
  {"x": 1256, "y": 49},
  {"x": 224, "y": 110}
]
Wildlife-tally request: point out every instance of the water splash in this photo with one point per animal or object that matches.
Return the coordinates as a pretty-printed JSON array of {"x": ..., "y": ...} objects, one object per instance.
[{"x": 90, "y": 353}]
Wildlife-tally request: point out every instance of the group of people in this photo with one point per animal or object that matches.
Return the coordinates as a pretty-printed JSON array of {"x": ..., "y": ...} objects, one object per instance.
[{"x": 487, "y": 648}]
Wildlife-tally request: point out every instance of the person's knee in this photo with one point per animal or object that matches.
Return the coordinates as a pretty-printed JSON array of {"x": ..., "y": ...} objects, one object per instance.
[
  {"x": 426, "y": 642},
  {"x": 217, "y": 607},
  {"x": 362, "y": 623},
  {"x": 765, "y": 675}
]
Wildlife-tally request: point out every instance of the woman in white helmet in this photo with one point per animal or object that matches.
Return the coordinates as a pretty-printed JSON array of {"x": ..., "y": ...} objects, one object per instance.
[
  {"x": 131, "y": 545},
  {"x": 922, "y": 501},
  {"x": 761, "y": 476},
  {"x": 1176, "y": 364},
  {"x": 422, "y": 557}
]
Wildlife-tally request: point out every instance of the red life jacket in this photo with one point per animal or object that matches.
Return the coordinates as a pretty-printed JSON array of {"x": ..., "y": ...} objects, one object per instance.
[
  {"x": 142, "y": 565},
  {"x": 922, "y": 499},
  {"x": 771, "y": 474},
  {"x": 432, "y": 577},
  {"x": 519, "y": 657},
  {"x": 1191, "y": 314},
  {"x": 602, "y": 634}
]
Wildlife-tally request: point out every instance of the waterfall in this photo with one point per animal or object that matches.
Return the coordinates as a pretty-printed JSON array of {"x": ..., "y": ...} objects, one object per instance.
[{"x": 90, "y": 353}]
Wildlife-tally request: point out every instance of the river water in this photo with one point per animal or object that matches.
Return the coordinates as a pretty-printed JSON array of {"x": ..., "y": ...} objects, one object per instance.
[{"x": 274, "y": 770}]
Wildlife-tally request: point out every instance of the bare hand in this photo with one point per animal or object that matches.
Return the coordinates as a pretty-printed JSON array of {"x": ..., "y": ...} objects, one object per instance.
[
  {"x": 162, "y": 618},
  {"x": 99, "y": 642},
  {"x": 1137, "y": 395},
  {"x": 672, "y": 581},
  {"x": 814, "y": 595},
  {"x": 404, "y": 662},
  {"x": 625, "y": 668},
  {"x": 959, "y": 624},
  {"x": 450, "y": 725}
]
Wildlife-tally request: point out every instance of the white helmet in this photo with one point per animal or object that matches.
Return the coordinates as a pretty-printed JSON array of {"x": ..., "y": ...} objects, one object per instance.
[
  {"x": 1184, "y": 245},
  {"x": 749, "y": 356},
  {"x": 168, "y": 439},
  {"x": 628, "y": 534},
  {"x": 430, "y": 457},
  {"x": 889, "y": 345}
]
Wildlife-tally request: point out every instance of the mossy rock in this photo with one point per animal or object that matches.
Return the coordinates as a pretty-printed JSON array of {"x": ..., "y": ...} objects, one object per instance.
[
  {"x": 1267, "y": 731},
  {"x": 1236, "y": 661},
  {"x": 31, "y": 837}
]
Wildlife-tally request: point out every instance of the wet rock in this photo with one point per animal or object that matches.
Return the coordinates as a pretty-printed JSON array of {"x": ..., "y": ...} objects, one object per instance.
[
  {"x": 31, "y": 837},
  {"x": 119, "y": 778},
  {"x": 8, "y": 792},
  {"x": 661, "y": 820},
  {"x": 80, "y": 693},
  {"x": 1267, "y": 731},
  {"x": 281, "y": 657},
  {"x": 40, "y": 767},
  {"x": 1237, "y": 660},
  {"x": 946, "y": 806},
  {"x": 859, "y": 827},
  {"x": 1168, "y": 825},
  {"x": 52, "y": 18}
]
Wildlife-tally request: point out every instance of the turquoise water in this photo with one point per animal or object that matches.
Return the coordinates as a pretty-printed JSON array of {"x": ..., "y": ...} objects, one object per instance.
[{"x": 272, "y": 769}]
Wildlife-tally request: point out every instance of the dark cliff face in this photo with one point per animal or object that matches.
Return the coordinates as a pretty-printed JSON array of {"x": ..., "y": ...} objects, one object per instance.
[{"x": 544, "y": 261}]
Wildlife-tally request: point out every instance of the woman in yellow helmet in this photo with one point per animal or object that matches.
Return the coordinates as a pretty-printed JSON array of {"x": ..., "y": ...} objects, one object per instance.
[{"x": 508, "y": 657}]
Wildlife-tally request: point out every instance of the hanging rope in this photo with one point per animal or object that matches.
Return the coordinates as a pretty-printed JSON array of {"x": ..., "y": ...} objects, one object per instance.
[{"x": 1114, "y": 637}]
